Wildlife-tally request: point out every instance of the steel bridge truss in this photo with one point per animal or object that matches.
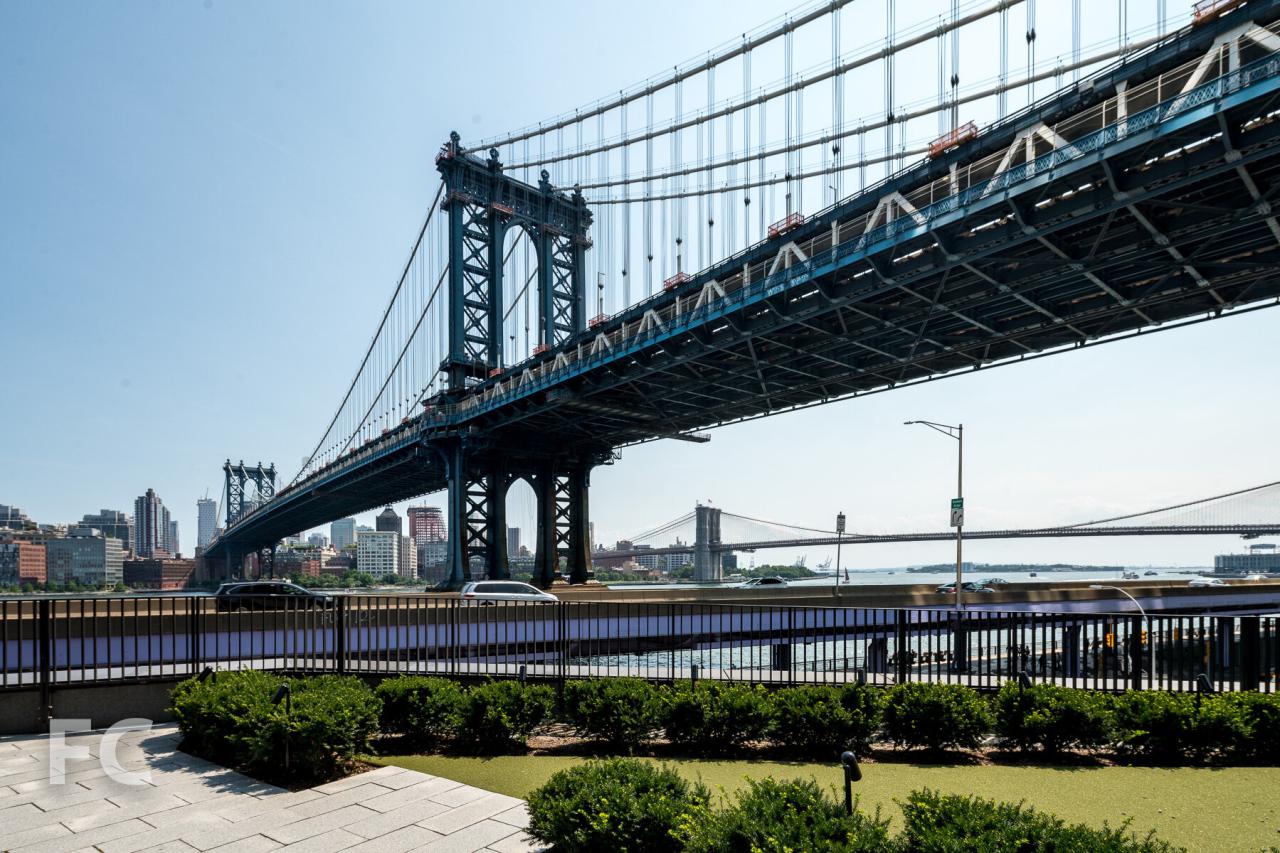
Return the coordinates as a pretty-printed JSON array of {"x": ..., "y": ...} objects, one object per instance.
[{"x": 483, "y": 203}]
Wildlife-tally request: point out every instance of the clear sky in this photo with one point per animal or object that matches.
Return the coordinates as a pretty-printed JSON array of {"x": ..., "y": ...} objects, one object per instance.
[{"x": 204, "y": 207}]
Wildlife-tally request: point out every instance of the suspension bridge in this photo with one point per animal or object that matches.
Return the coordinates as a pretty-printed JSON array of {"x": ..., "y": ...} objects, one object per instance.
[
  {"x": 575, "y": 289},
  {"x": 707, "y": 533}
]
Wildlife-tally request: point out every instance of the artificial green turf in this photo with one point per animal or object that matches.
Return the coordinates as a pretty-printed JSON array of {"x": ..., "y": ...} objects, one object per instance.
[{"x": 1202, "y": 809}]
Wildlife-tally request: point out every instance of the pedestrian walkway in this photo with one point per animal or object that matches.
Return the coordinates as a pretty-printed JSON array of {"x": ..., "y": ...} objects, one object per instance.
[{"x": 191, "y": 804}]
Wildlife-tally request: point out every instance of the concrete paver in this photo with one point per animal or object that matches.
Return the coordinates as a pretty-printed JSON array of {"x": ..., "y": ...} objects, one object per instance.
[{"x": 187, "y": 804}]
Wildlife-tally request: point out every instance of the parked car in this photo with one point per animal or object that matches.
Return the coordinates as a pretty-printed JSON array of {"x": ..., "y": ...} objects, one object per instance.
[
  {"x": 1199, "y": 582},
  {"x": 269, "y": 595},
  {"x": 1258, "y": 577},
  {"x": 491, "y": 592},
  {"x": 755, "y": 583},
  {"x": 968, "y": 586}
]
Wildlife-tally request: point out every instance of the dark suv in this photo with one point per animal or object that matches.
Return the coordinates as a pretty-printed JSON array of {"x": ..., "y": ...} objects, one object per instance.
[{"x": 269, "y": 595}]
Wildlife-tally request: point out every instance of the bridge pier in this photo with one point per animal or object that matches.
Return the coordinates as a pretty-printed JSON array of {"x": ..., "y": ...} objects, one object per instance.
[{"x": 707, "y": 563}]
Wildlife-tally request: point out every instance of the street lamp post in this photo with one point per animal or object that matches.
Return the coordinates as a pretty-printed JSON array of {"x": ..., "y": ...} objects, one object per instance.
[
  {"x": 1146, "y": 623},
  {"x": 957, "y": 505},
  {"x": 839, "y": 537}
]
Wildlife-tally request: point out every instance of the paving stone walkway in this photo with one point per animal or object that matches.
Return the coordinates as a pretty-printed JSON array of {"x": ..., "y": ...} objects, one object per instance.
[{"x": 191, "y": 804}]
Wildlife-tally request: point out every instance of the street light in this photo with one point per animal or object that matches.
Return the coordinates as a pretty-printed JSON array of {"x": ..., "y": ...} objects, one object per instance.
[
  {"x": 957, "y": 505},
  {"x": 1146, "y": 623},
  {"x": 839, "y": 537}
]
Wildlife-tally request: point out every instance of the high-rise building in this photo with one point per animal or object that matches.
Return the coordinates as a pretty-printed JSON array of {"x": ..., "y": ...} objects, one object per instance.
[
  {"x": 389, "y": 522},
  {"x": 150, "y": 526},
  {"x": 85, "y": 556},
  {"x": 172, "y": 542},
  {"x": 342, "y": 533},
  {"x": 318, "y": 540},
  {"x": 426, "y": 524},
  {"x": 13, "y": 518},
  {"x": 431, "y": 560},
  {"x": 22, "y": 563},
  {"x": 513, "y": 541},
  {"x": 207, "y": 521},
  {"x": 407, "y": 559},
  {"x": 112, "y": 523},
  {"x": 377, "y": 553}
]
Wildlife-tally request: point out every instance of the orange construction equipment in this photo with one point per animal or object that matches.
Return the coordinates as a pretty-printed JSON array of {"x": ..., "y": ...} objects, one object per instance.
[
  {"x": 793, "y": 220},
  {"x": 1206, "y": 10},
  {"x": 495, "y": 371},
  {"x": 598, "y": 320},
  {"x": 676, "y": 280},
  {"x": 540, "y": 349},
  {"x": 952, "y": 139}
]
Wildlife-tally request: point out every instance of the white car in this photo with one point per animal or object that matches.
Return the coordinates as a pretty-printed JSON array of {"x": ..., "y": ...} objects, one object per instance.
[
  {"x": 1207, "y": 582},
  {"x": 491, "y": 592}
]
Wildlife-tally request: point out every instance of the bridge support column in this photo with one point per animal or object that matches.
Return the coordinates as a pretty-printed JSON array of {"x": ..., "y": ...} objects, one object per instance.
[
  {"x": 458, "y": 557},
  {"x": 496, "y": 558},
  {"x": 477, "y": 521},
  {"x": 546, "y": 559},
  {"x": 579, "y": 545},
  {"x": 707, "y": 564}
]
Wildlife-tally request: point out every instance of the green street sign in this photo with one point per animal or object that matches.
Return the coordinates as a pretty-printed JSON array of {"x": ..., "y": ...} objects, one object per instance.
[{"x": 957, "y": 503}]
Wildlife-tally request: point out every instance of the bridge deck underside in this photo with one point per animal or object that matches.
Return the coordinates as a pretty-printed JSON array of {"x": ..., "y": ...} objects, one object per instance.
[{"x": 1167, "y": 231}]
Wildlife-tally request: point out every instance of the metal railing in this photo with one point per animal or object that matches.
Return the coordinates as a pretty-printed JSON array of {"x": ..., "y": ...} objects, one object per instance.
[{"x": 55, "y": 642}]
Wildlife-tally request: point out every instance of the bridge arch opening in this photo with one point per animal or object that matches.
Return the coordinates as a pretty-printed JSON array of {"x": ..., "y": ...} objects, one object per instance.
[
  {"x": 522, "y": 517},
  {"x": 519, "y": 294}
]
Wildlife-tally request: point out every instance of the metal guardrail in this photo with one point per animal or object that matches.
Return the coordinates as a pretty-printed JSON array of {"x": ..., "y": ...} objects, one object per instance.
[{"x": 48, "y": 643}]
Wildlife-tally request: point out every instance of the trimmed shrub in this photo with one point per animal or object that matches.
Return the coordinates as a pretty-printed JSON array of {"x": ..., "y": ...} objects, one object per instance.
[
  {"x": 1259, "y": 719},
  {"x": 616, "y": 805},
  {"x": 230, "y": 718},
  {"x": 715, "y": 717},
  {"x": 422, "y": 708},
  {"x": 215, "y": 715},
  {"x": 330, "y": 720},
  {"x": 938, "y": 823},
  {"x": 1169, "y": 726},
  {"x": 622, "y": 711},
  {"x": 825, "y": 720},
  {"x": 1053, "y": 718},
  {"x": 501, "y": 715},
  {"x": 791, "y": 815},
  {"x": 936, "y": 716}
]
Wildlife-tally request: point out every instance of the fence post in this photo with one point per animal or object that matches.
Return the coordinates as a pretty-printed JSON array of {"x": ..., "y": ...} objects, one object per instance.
[
  {"x": 45, "y": 640},
  {"x": 1135, "y": 652},
  {"x": 340, "y": 635},
  {"x": 1250, "y": 659},
  {"x": 900, "y": 624},
  {"x": 193, "y": 633},
  {"x": 563, "y": 652}
]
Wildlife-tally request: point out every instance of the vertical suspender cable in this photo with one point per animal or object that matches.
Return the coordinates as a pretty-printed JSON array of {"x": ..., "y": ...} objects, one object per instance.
[
  {"x": 711, "y": 155},
  {"x": 1031, "y": 50},
  {"x": 746, "y": 145},
  {"x": 955, "y": 64},
  {"x": 1002, "y": 100},
  {"x": 788, "y": 106},
  {"x": 626, "y": 217},
  {"x": 648, "y": 207},
  {"x": 942, "y": 79},
  {"x": 888, "y": 79},
  {"x": 1075, "y": 39},
  {"x": 837, "y": 108},
  {"x": 677, "y": 157}
]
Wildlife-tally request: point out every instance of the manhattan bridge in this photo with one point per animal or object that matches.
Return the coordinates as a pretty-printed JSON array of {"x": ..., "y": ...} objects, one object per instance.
[{"x": 793, "y": 218}]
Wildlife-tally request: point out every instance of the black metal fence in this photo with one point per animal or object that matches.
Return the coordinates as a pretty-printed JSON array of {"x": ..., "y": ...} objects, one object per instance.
[{"x": 50, "y": 642}]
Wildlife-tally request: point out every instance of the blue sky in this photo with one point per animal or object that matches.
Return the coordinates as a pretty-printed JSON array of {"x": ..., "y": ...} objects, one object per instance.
[{"x": 204, "y": 206}]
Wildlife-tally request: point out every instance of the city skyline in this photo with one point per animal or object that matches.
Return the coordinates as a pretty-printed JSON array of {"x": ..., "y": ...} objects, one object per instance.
[{"x": 1054, "y": 440}]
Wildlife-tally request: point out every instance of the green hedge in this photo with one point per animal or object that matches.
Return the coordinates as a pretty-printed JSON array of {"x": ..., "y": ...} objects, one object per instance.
[
  {"x": 941, "y": 823},
  {"x": 788, "y": 816},
  {"x": 230, "y": 718},
  {"x": 628, "y": 805},
  {"x": 935, "y": 716},
  {"x": 1053, "y": 718},
  {"x": 825, "y": 720},
  {"x": 426, "y": 710},
  {"x": 1171, "y": 726},
  {"x": 500, "y": 715},
  {"x": 625, "y": 712},
  {"x": 616, "y": 805},
  {"x": 715, "y": 717}
]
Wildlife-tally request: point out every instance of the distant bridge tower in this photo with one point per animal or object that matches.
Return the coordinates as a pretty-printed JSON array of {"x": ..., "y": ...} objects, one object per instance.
[
  {"x": 483, "y": 203},
  {"x": 707, "y": 558},
  {"x": 237, "y": 500}
]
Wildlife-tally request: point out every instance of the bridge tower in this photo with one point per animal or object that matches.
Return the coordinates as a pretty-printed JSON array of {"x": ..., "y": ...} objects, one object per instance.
[
  {"x": 707, "y": 565},
  {"x": 483, "y": 203}
]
